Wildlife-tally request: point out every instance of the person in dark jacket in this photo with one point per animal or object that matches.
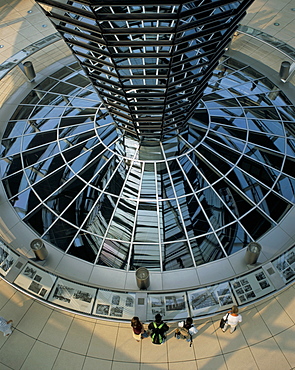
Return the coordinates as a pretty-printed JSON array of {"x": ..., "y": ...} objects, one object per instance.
[
  {"x": 158, "y": 328},
  {"x": 185, "y": 328}
]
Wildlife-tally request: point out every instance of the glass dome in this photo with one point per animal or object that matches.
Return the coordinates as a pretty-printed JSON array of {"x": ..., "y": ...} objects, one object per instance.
[{"x": 108, "y": 199}]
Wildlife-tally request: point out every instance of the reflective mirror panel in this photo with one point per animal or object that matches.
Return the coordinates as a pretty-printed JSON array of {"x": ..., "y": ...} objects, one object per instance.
[{"x": 114, "y": 201}]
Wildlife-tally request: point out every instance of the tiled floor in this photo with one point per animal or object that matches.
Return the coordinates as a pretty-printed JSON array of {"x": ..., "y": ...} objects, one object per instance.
[{"x": 46, "y": 338}]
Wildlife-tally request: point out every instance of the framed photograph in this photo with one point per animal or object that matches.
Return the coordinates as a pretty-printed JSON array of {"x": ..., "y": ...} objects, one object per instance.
[
  {"x": 157, "y": 301},
  {"x": 242, "y": 298},
  {"x": 63, "y": 293},
  {"x": 72, "y": 295},
  {"x": 7, "y": 259},
  {"x": 38, "y": 278},
  {"x": 247, "y": 288},
  {"x": 83, "y": 296},
  {"x": 264, "y": 284},
  {"x": 244, "y": 281},
  {"x": 290, "y": 257},
  {"x": 116, "y": 300},
  {"x": 129, "y": 301},
  {"x": 117, "y": 311},
  {"x": 102, "y": 309},
  {"x": 222, "y": 292},
  {"x": 3, "y": 255},
  {"x": 225, "y": 300},
  {"x": 250, "y": 295},
  {"x": 260, "y": 276},
  {"x": 30, "y": 272},
  {"x": 288, "y": 273},
  {"x": 6, "y": 265},
  {"x": 202, "y": 299},
  {"x": 236, "y": 284},
  {"x": 35, "y": 287},
  {"x": 281, "y": 265},
  {"x": 43, "y": 292},
  {"x": 174, "y": 302}
]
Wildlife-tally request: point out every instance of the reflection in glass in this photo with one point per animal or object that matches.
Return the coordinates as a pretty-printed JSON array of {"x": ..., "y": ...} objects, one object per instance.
[{"x": 110, "y": 200}]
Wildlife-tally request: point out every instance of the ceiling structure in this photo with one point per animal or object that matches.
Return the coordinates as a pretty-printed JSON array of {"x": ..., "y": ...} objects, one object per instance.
[{"x": 149, "y": 63}]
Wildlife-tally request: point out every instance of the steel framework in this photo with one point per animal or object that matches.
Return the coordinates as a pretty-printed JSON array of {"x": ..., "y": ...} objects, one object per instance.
[{"x": 150, "y": 62}]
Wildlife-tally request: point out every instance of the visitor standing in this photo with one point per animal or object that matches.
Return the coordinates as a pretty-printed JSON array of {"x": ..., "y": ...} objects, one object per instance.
[
  {"x": 5, "y": 326},
  {"x": 186, "y": 329},
  {"x": 158, "y": 329},
  {"x": 232, "y": 319},
  {"x": 138, "y": 329}
]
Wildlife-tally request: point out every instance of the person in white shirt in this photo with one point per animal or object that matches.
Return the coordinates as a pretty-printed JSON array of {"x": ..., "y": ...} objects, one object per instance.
[
  {"x": 232, "y": 319},
  {"x": 5, "y": 326}
]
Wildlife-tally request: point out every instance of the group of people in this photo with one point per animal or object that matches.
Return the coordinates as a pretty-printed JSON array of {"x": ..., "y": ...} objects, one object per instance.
[{"x": 158, "y": 328}]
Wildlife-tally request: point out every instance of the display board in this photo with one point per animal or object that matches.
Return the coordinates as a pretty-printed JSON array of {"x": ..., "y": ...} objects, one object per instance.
[
  {"x": 121, "y": 305},
  {"x": 285, "y": 264},
  {"x": 78, "y": 297},
  {"x": 7, "y": 259},
  {"x": 170, "y": 306},
  {"x": 35, "y": 280},
  {"x": 252, "y": 286},
  {"x": 114, "y": 304},
  {"x": 210, "y": 299}
]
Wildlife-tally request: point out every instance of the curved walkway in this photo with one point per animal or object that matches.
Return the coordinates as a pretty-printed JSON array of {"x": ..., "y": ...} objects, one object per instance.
[{"x": 46, "y": 338}]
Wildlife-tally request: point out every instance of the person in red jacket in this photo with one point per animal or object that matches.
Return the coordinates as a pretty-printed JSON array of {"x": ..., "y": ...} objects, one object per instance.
[
  {"x": 137, "y": 328},
  {"x": 232, "y": 319}
]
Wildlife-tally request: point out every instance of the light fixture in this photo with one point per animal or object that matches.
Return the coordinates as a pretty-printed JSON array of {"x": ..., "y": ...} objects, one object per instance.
[
  {"x": 276, "y": 24},
  {"x": 284, "y": 71}
]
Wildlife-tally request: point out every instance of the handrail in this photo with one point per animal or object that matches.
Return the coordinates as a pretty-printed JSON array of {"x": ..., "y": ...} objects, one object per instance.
[
  {"x": 258, "y": 283},
  {"x": 269, "y": 40},
  {"x": 21, "y": 55}
]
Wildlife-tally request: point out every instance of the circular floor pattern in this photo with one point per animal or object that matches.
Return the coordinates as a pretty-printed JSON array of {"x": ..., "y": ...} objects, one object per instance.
[{"x": 112, "y": 201}]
